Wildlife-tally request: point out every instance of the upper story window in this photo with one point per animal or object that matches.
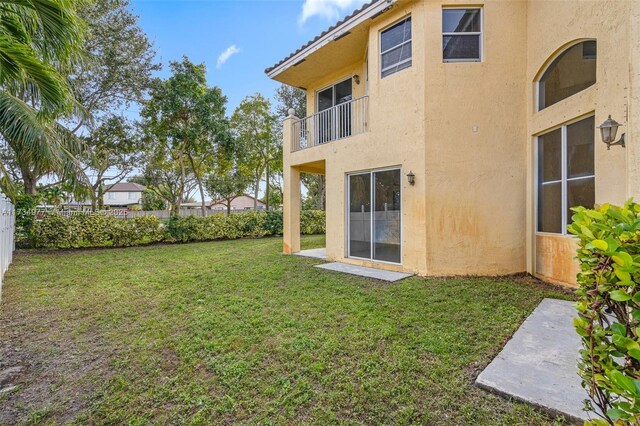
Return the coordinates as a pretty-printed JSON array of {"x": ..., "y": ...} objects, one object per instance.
[
  {"x": 571, "y": 72},
  {"x": 462, "y": 34},
  {"x": 111, "y": 195},
  {"x": 133, "y": 195},
  {"x": 395, "y": 47}
]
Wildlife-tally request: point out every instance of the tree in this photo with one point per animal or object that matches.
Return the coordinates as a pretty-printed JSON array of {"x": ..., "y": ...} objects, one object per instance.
[
  {"x": 185, "y": 123},
  {"x": 120, "y": 60},
  {"x": 254, "y": 126},
  {"x": 290, "y": 97},
  {"x": 151, "y": 201},
  {"x": 226, "y": 186},
  {"x": 168, "y": 179},
  {"x": 39, "y": 40},
  {"x": 113, "y": 71},
  {"x": 113, "y": 151}
]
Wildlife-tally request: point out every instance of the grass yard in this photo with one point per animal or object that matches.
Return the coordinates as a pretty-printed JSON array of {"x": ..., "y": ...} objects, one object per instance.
[{"x": 234, "y": 332}]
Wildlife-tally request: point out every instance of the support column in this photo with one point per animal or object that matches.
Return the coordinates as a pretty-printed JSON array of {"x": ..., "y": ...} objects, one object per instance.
[{"x": 292, "y": 198}]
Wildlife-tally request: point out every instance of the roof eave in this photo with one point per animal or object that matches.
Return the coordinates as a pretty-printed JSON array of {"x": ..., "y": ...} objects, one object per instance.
[{"x": 332, "y": 35}]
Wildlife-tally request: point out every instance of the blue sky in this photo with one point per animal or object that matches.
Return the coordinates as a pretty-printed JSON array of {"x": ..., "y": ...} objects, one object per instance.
[{"x": 255, "y": 33}]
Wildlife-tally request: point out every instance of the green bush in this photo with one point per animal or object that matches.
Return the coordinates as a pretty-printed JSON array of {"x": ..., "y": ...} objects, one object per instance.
[
  {"x": 25, "y": 218},
  {"x": 312, "y": 222},
  {"x": 57, "y": 231},
  {"x": 273, "y": 222},
  {"x": 609, "y": 309},
  {"x": 96, "y": 230}
]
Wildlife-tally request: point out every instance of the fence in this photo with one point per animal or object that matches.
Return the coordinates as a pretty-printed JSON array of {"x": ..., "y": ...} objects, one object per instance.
[
  {"x": 165, "y": 214},
  {"x": 7, "y": 235}
]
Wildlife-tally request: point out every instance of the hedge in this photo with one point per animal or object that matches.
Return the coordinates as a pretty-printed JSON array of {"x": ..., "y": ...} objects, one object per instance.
[{"x": 96, "y": 230}]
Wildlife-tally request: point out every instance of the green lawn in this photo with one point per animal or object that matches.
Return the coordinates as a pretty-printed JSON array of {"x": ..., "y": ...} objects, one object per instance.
[{"x": 235, "y": 332}]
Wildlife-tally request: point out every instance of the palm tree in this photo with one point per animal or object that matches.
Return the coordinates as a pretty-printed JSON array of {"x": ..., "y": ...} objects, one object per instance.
[{"x": 38, "y": 39}]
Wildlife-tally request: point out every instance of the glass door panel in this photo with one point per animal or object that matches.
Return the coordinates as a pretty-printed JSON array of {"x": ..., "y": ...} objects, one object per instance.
[
  {"x": 360, "y": 216},
  {"x": 386, "y": 216},
  {"x": 375, "y": 209},
  {"x": 324, "y": 120},
  {"x": 343, "y": 96}
]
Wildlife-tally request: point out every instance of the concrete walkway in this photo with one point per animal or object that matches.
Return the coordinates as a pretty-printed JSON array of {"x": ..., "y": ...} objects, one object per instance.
[
  {"x": 319, "y": 253},
  {"x": 539, "y": 364},
  {"x": 362, "y": 271}
]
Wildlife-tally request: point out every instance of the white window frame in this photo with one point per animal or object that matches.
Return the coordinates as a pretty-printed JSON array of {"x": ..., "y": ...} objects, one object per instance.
[
  {"x": 133, "y": 195},
  {"x": 563, "y": 175},
  {"x": 111, "y": 195},
  {"x": 332, "y": 86},
  {"x": 372, "y": 225},
  {"x": 404, "y": 61},
  {"x": 476, "y": 33},
  {"x": 550, "y": 62}
]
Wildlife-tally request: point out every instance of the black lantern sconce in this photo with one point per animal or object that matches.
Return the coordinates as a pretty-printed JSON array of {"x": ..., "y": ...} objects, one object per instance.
[
  {"x": 608, "y": 131},
  {"x": 411, "y": 178},
  {"x": 356, "y": 79}
]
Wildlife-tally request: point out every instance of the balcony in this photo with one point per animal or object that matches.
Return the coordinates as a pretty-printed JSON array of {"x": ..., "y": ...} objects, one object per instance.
[{"x": 338, "y": 122}]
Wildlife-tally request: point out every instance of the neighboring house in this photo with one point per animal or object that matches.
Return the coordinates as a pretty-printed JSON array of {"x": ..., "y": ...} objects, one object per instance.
[
  {"x": 243, "y": 202},
  {"x": 123, "y": 194},
  {"x": 455, "y": 138}
]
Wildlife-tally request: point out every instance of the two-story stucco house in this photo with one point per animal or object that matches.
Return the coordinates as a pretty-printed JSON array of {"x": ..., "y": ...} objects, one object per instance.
[
  {"x": 123, "y": 194},
  {"x": 455, "y": 136}
]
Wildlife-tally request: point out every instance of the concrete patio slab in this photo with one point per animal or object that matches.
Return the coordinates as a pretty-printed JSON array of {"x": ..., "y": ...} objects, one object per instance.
[
  {"x": 539, "y": 364},
  {"x": 362, "y": 271},
  {"x": 319, "y": 253}
]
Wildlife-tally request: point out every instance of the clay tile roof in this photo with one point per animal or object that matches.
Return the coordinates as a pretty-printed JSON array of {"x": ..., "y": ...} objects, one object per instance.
[{"x": 322, "y": 34}]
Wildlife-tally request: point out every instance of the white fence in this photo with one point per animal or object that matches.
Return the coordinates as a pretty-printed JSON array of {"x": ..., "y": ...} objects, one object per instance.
[{"x": 7, "y": 236}]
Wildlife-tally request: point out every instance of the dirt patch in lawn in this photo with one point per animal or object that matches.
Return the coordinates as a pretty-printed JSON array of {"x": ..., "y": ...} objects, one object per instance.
[{"x": 44, "y": 375}]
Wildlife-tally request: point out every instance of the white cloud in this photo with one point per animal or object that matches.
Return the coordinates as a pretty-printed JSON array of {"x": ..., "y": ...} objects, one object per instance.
[
  {"x": 328, "y": 9},
  {"x": 224, "y": 56}
]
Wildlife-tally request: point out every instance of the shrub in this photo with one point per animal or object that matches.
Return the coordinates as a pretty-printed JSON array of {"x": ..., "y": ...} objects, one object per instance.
[
  {"x": 312, "y": 222},
  {"x": 273, "y": 222},
  {"x": 95, "y": 230},
  {"x": 25, "y": 219},
  {"x": 609, "y": 309},
  {"x": 57, "y": 231}
]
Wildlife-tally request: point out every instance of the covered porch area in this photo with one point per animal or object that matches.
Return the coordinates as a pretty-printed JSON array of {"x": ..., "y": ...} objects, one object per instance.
[{"x": 292, "y": 206}]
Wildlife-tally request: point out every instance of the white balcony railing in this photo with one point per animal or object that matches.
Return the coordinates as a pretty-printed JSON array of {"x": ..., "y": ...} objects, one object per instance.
[{"x": 341, "y": 121}]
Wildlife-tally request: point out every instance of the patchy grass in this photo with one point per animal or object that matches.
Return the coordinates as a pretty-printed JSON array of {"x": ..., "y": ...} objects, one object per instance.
[{"x": 234, "y": 332}]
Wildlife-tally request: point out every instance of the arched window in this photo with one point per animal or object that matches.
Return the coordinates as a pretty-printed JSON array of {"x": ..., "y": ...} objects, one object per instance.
[{"x": 571, "y": 72}]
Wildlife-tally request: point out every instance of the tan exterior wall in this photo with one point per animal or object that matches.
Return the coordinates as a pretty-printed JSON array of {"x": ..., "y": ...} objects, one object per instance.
[
  {"x": 551, "y": 27},
  {"x": 395, "y": 120},
  {"x": 475, "y": 150},
  {"x": 468, "y": 132},
  {"x": 120, "y": 198}
]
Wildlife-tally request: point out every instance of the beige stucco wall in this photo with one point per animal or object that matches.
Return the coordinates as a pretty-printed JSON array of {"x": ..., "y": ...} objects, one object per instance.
[
  {"x": 551, "y": 27},
  {"x": 475, "y": 150},
  {"x": 467, "y": 131},
  {"x": 395, "y": 138}
]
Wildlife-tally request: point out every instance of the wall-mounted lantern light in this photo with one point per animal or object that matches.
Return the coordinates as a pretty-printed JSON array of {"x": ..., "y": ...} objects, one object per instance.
[
  {"x": 356, "y": 79},
  {"x": 411, "y": 178},
  {"x": 608, "y": 131}
]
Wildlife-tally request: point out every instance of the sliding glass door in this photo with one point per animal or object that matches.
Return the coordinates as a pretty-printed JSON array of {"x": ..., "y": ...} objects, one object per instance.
[
  {"x": 374, "y": 216},
  {"x": 334, "y": 112}
]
